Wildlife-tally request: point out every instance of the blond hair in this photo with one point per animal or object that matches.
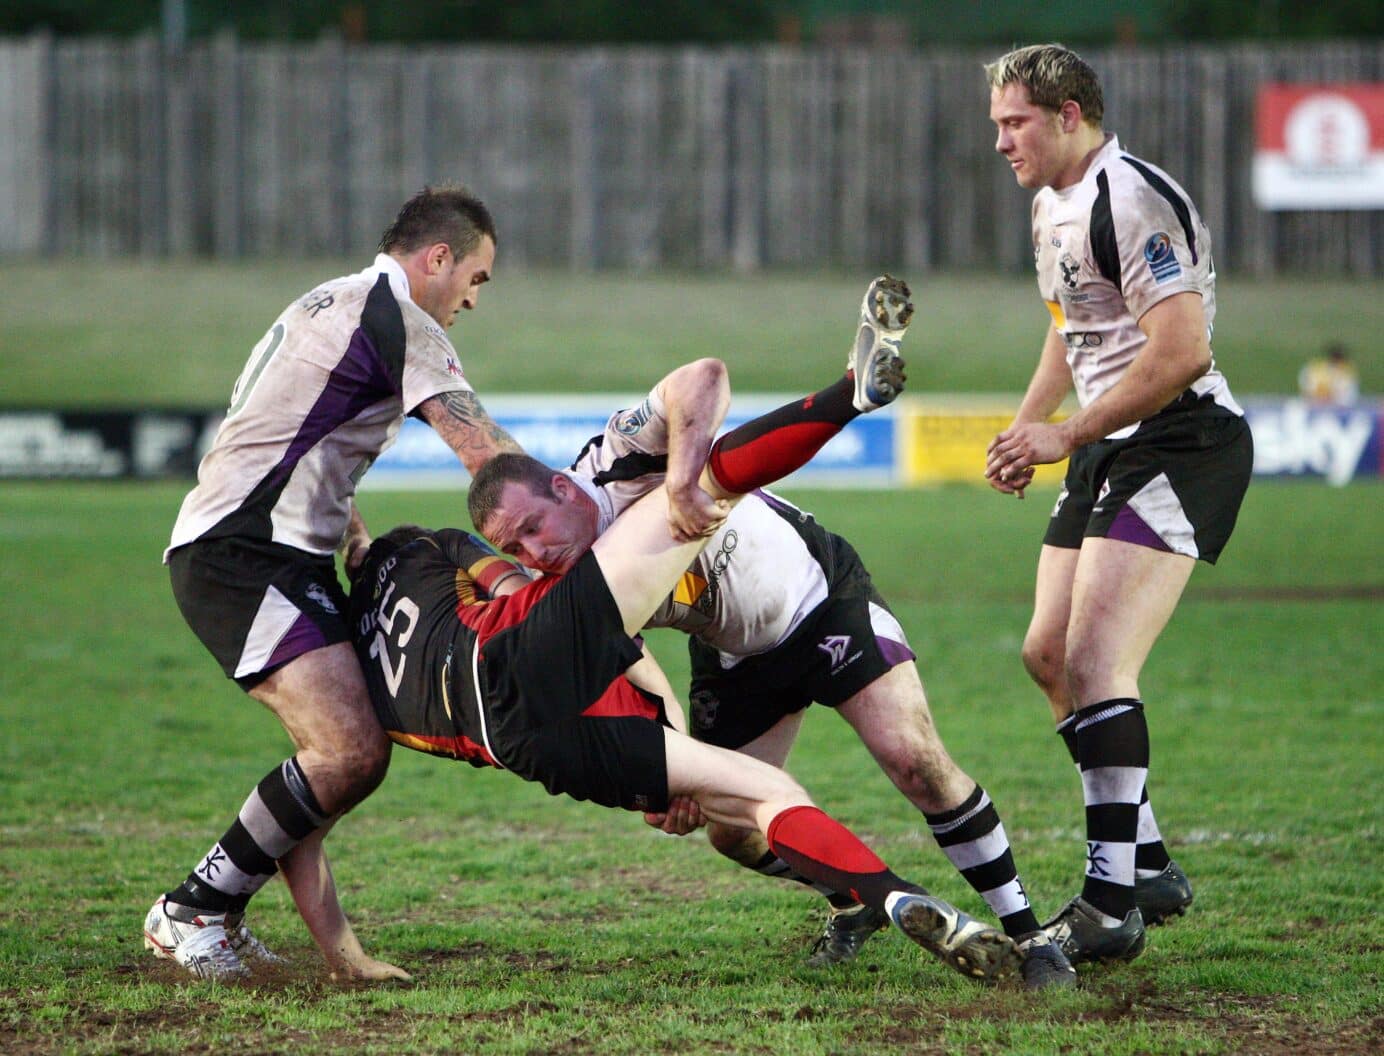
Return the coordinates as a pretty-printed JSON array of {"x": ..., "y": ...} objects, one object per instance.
[{"x": 1052, "y": 73}]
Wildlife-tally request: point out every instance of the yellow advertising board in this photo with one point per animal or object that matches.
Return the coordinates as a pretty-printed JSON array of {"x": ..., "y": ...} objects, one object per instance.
[{"x": 943, "y": 441}]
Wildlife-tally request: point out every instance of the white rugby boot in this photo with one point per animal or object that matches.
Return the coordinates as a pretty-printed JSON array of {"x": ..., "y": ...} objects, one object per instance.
[
  {"x": 963, "y": 943},
  {"x": 196, "y": 940},
  {"x": 246, "y": 945},
  {"x": 875, "y": 361}
]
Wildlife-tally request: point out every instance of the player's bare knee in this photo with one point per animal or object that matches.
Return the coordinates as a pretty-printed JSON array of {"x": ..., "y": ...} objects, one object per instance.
[
  {"x": 345, "y": 775},
  {"x": 1044, "y": 662},
  {"x": 1086, "y": 670},
  {"x": 926, "y": 777}
]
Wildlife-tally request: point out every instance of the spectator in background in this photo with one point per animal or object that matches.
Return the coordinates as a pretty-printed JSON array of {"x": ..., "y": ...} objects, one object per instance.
[{"x": 1331, "y": 378}]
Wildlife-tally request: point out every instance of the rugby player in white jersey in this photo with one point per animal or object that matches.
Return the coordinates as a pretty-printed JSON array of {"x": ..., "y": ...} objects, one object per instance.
[
  {"x": 780, "y": 613},
  {"x": 251, "y": 560},
  {"x": 1160, "y": 460}
]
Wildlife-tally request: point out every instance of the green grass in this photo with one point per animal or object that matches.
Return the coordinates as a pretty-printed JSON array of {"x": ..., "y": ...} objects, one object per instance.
[
  {"x": 92, "y": 333},
  {"x": 536, "y": 925}
]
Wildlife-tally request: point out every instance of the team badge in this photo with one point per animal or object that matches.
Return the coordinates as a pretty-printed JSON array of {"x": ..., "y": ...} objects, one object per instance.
[
  {"x": 1070, "y": 268},
  {"x": 704, "y": 706},
  {"x": 1162, "y": 261},
  {"x": 630, "y": 422}
]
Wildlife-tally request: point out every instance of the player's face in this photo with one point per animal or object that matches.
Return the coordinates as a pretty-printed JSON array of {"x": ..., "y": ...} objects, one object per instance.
[
  {"x": 547, "y": 534},
  {"x": 458, "y": 282},
  {"x": 1030, "y": 137}
]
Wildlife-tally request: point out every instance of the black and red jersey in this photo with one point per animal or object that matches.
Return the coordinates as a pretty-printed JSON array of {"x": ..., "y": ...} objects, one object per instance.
[{"x": 417, "y": 614}]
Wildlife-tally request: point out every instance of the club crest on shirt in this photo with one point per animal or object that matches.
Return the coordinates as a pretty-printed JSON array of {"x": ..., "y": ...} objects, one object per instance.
[
  {"x": 1070, "y": 269},
  {"x": 1162, "y": 261},
  {"x": 631, "y": 421}
]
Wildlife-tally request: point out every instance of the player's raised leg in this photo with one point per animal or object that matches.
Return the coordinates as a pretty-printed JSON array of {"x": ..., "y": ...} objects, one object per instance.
[
  {"x": 773, "y": 445},
  {"x": 754, "y": 454}
]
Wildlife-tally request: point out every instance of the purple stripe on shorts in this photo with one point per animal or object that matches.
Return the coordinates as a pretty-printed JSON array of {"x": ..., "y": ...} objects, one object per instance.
[
  {"x": 894, "y": 653},
  {"x": 1129, "y": 527},
  {"x": 303, "y": 637}
]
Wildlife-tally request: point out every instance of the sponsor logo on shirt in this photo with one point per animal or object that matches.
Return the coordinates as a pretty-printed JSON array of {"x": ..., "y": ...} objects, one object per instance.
[
  {"x": 1080, "y": 339},
  {"x": 719, "y": 563},
  {"x": 453, "y": 367},
  {"x": 1158, "y": 251}
]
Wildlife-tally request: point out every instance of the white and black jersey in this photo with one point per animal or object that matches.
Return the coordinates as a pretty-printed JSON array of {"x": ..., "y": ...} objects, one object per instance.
[
  {"x": 1109, "y": 248},
  {"x": 760, "y": 575},
  {"x": 322, "y": 395}
]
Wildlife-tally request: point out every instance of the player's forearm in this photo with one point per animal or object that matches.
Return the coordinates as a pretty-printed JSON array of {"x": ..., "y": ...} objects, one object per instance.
[
  {"x": 695, "y": 398},
  {"x": 355, "y": 542},
  {"x": 1050, "y": 384},
  {"x": 309, "y": 878},
  {"x": 1176, "y": 354},
  {"x": 467, "y": 428}
]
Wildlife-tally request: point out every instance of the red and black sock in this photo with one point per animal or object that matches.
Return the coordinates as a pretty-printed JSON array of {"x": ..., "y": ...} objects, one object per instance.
[
  {"x": 770, "y": 447},
  {"x": 819, "y": 847}
]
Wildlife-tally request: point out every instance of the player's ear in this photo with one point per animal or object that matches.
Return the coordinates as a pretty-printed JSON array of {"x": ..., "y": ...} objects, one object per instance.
[
  {"x": 438, "y": 254},
  {"x": 1070, "y": 113},
  {"x": 561, "y": 486}
]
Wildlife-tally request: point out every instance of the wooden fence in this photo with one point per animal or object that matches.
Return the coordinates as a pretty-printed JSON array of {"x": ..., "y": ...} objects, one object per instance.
[{"x": 633, "y": 157}]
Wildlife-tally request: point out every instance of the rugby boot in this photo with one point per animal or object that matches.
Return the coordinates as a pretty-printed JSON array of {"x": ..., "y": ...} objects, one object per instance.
[
  {"x": 1078, "y": 930},
  {"x": 963, "y": 943},
  {"x": 1166, "y": 895},
  {"x": 195, "y": 939},
  {"x": 246, "y": 946},
  {"x": 1044, "y": 964},
  {"x": 875, "y": 361},
  {"x": 846, "y": 931}
]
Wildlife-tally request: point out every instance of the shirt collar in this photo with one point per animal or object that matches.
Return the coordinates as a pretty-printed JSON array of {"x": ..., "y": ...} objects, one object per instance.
[
  {"x": 605, "y": 509},
  {"x": 398, "y": 280}
]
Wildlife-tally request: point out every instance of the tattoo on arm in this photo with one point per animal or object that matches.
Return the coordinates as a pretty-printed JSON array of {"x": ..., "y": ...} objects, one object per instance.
[{"x": 468, "y": 429}]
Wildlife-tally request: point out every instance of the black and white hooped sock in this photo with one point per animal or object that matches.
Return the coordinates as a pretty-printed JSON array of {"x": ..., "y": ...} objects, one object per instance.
[
  {"x": 279, "y": 813},
  {"x": 973, "y": 839},
  {"x": 1113, "y": 752}
]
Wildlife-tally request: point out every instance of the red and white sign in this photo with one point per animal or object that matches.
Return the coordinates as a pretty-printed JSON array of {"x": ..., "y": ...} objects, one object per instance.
[{"x": 1319, "y": 146}]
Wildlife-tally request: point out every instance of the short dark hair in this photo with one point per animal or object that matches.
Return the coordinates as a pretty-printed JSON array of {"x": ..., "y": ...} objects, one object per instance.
[
  {"x": 450, "y": 214},
  {"x": 506, "y": 468},
  {"x": 1052, "y": 73},
  {"x": 383, "y": 547}
]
